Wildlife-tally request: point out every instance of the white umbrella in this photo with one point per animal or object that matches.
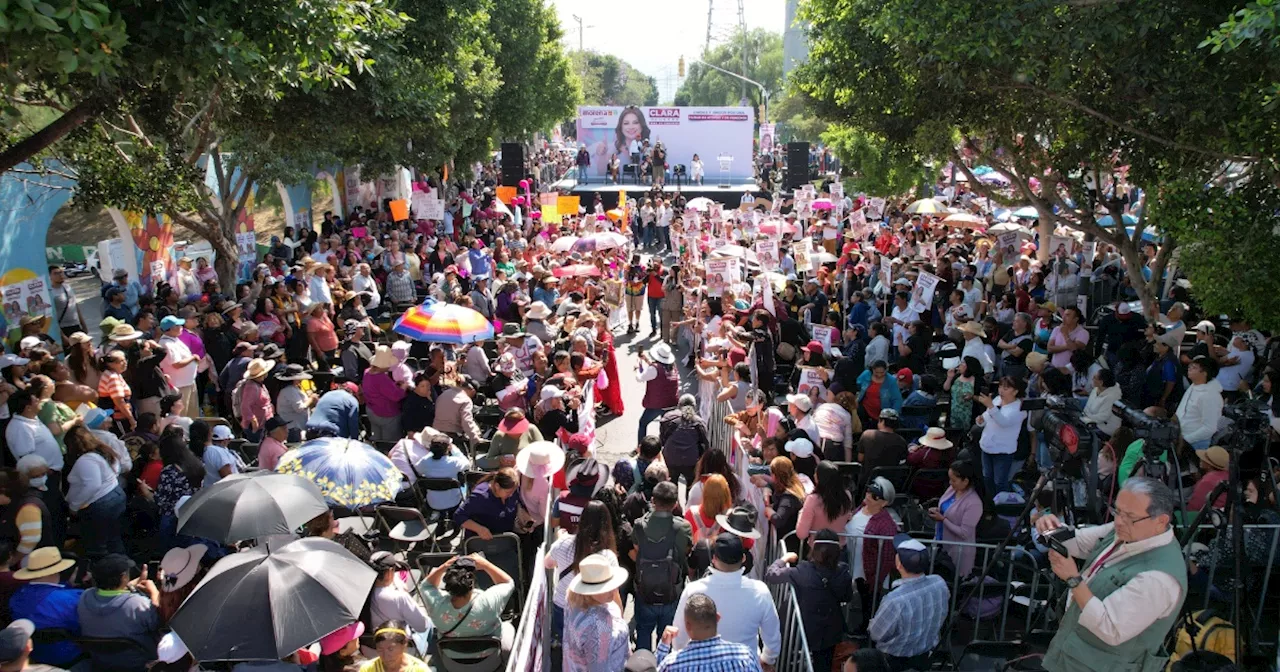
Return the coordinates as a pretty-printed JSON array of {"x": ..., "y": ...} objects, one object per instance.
[
  {"x": 700, "y": 204},
  {"x": 1010, "y": 227},
  {"x": 729, "y": 251},
  {"x": 823, "y": 258},
  {"x": 926, "y": 206},
  {"x": 563, "y": 243}
]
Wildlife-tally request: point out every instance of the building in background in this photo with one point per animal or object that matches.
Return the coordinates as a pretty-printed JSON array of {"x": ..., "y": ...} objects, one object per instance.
[{"x": 795, "y": 43}]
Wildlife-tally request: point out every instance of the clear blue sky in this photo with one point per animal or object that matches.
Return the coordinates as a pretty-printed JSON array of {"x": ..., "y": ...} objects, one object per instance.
[{"x": 652, "y": 35}]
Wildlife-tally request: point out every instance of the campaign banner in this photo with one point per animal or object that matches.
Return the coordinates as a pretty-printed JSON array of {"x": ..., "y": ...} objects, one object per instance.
[
  {"x": 824, "y": 335},
  {"x": 802, "y": 250},
  {"x": 929, "y": 251},
  {"x": 767, "y": 254},
  {"x": 1060, "y": 246},
  {"x": 248, "y": 252},
  {"x": 922, "y": 293},
  {"x": 709, "y": 132},
  {"x": 24, "y": 297},
  {"x": 551, "y": 213},
  {"x": 762, "y": 293},
  {"x": 766, "y": 137},
  {"x": 1090, "y": 252},
  {"x": 568, "y": 205},
  {"x": 1008, "y": 243},
  {"x": 548, "y": 199},
  {"x": 875, "y": 208},
  {"x": 886, "y": 272},
  {"x": 811, "y": 382},
  {"x": 720, "y": 274}
]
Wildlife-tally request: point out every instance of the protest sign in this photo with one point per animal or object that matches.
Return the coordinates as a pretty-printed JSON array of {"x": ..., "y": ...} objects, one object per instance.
[
  {"x": 1008, "y": 243},
  {"x": 811, "y": 382},
  {"x": 929, "y": 251},
  {"x": 551, "y": 213},
  {"x": 1059, "y": 246},
  {"x": 1090, "y": 252},
  {"x": 824, "y": 335},
  {"x": 548, "y": 199},
  {"x": 433, "y": 209},
  {"x": 720, "y": 274},
  {"x": 505, "y": 194},
  {"x": 567, "y": 205},
  {"x": 886, "y": 271},
  {"x": 876, "y": 208},
  {"x": 802, "y": 250},
  {"x": 767, "y": 254},
  {"x": 922, "y": 293}
]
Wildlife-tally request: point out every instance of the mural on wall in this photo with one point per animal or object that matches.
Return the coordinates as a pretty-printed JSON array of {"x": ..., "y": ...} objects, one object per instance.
[
  {"x": 246, "y": 243},
  {"x": 153, "y": 236},
  {"x": 27, "y": 206}
]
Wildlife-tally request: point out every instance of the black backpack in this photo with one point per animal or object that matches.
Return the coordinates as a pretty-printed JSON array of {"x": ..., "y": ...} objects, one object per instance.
[{"x": 658, "y": 574}]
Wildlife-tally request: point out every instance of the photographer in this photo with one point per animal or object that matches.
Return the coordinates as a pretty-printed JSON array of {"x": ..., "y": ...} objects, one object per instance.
[{"x": 1131, "y": 589}]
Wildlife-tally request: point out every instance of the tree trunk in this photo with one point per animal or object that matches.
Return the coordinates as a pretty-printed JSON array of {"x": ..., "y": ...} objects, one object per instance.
[
  {"x": 45, "y": 137},
  {"x": 228, "y": 258}
]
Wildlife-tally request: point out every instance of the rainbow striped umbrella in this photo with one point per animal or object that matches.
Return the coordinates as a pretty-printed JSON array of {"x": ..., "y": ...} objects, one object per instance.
[{"x": 436, "y": 322}]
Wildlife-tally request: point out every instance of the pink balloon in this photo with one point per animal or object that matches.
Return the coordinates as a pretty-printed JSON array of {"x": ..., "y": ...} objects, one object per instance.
[
  {"x": 518, "y": 200},
  {"x": 536, "y": 215},
  {"x": 524, "y": 184}
]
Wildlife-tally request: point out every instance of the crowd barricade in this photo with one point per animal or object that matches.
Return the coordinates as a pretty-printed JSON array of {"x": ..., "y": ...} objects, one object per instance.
[
  {"x": 1021, "y": 599},
  {"x": 794, "y": 654},
  {"x": 531, "y": 648}
]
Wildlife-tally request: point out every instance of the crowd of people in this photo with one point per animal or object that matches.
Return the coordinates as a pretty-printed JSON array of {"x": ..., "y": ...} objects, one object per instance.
[{"x": 844, "y": 360}]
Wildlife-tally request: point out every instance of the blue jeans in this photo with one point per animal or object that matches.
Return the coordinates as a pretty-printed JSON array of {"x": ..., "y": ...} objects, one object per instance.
[
  {"x": 664, "y": 236},
  {"x": 102, "y": 524},
  {"x": 649, "y": 234},
  {"x": 995, "y": 472},
  {"x": 655, "y": 314},
  {"x": 557, "y": 623},
  {"x": 649, "y": 415},
  {"x": 652, "y": 618},
  {"x": 582, "y": 174},
  {"x": 1200, "y": 445}
]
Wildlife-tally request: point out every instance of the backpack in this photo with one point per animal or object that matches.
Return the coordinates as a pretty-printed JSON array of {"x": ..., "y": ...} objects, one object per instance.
[
  {"x": 237, "y": 393},
  {"x": 1202, "y": 631},
  {"x": 658, "y": 574}
]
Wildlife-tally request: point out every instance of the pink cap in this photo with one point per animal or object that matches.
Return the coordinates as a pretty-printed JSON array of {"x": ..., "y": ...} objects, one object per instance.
[{"x": 334, "y": 641}]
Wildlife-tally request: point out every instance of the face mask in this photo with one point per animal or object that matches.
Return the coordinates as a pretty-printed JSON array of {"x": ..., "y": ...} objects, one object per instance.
[{"x": 39, "y": 483}]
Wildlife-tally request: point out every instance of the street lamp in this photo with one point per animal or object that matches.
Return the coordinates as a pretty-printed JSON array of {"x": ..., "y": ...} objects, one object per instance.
[{"x": 764, "y": 95}]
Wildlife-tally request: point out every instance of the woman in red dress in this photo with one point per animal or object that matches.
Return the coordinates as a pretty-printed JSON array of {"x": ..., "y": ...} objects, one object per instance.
[{"x": 611, "y": 396}]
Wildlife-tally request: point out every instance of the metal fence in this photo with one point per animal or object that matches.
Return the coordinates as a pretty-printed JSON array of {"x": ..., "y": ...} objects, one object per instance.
[
  {"x": 794, "y": 654},
  {"x": 1021, "y": 599}
]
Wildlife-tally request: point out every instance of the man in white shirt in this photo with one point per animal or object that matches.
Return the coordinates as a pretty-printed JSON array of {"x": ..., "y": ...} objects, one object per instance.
[
  {"x": 1235, "y": 363},
  {"x": 179, "y": 364},
  {"x": 901, "y": 316},
  {"x": 747, "y": 614},
  {"x": 748, "y": 198},
  {"x": 26, "y": 434},
  {"x": 364, "y": 283},
  {"x": 665, "y": 215}
]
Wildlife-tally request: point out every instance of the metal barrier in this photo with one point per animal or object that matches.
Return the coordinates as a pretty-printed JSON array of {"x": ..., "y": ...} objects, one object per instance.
[
  {"x": 794, "y": 653},
  {"x": 1211, "y": 586}
]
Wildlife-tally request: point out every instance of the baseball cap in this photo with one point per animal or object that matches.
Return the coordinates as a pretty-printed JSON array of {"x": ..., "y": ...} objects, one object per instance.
[
  {"x": 276, "y": 422},
  {"x": 171, "y": 321},
  {"x": 13, "y": 640},
  {"x": 1206, "y": 326},
  {"x": 29, "y": 342},
  {"x": 8, "y": 360},
  {"x": 171, "y": 649},
  {"x": 911, "y": 553},
  {"x": 728, "y": 549},
  {"x": 905, "y": 376},
  {"x": 222, "y": 433}
]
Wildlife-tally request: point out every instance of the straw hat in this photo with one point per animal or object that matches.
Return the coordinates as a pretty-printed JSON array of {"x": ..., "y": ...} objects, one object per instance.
[
  {"x": 1036, "y": 361},
  {"x": 971, "y": 327},
  {"x": 383, "y": 358},
  {"x": 935, "y": 437},
  {"x": 598, "y": 575},
  {"x": 258, "y": 368},
  {"x": 43, "y": 562},
  {"x": 125, "y": 332},
  {"x": 540, "y": 459},
  {"x": 80, "y": 337},
  {"x": 1215, "y": 456},
  {"x": 180, "y": 566},
  {"x": 662, "y": 353},
  {"x": 538, "y": 311}
]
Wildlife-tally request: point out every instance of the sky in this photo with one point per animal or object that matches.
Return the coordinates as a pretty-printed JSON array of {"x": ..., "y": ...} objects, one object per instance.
[{"x": 652, "y": 35}]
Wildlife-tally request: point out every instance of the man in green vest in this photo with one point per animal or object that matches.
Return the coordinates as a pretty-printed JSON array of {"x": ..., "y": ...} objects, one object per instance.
[{"x": 1128, "y": 594}]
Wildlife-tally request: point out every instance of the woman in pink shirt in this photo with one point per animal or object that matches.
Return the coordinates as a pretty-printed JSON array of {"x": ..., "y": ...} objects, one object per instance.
[
  {"x": 382, "y": 396},
  {"x": 829, "y": 507},
  {"x": 255, "y": 402},
  {"x": 272, "y": 447}
]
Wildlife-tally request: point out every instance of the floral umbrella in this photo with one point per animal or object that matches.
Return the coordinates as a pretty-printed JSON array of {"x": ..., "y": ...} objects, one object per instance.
[
  {"x": 606, "y": 240},
  {"x": 349, "y": 473}
]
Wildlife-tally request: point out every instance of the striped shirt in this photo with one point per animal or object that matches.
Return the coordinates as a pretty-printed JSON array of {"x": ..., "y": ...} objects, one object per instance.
[
  {"x": 112, "y": 386},
  {"x": 707, "y": 655},
  {"x": 910, "y": 617}
]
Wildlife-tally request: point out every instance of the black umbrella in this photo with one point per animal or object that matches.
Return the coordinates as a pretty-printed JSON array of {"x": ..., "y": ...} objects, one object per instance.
[
  {"x": 251, "y": 506},
  {"x": 264, "y": 605}
]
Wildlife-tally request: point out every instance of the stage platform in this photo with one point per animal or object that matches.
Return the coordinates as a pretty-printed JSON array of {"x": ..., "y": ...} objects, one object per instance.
[{"x": 730, "y": 195}]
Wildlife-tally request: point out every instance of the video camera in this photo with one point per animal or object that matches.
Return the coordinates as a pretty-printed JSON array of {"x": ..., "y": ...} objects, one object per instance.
[
  {"x": 1068, "y": 435},
  {"x": 1158, "y": 434}
]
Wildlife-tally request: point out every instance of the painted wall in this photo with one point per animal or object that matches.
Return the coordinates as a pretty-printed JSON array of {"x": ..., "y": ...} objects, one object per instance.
[{"x": 27, "y": 206}]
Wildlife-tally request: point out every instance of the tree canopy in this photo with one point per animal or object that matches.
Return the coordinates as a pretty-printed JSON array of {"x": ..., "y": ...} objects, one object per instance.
[
  {"x": 706, "y": 87},
  {"x": 609, "y": 80},
  {"x": 1056, "y": 97}
]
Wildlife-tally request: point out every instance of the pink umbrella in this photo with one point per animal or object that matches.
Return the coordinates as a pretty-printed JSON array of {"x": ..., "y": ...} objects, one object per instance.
[
  {"x": 822, "y": 204},
  {"x": 576, "y": 270},
  {"x": 772, "y": 228}
]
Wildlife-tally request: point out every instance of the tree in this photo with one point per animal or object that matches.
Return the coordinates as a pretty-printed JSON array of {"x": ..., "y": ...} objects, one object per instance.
[
  {"x": 81, "y": 58},
  {"x": 795, "y": 121},
  {"x": 875, "y": 166},
  {"x": 707, "y": 87},
  {"x": 609, "y": 80},
  {"x": 1059, "y": 98},
  {"x": 540, "y": 88}
]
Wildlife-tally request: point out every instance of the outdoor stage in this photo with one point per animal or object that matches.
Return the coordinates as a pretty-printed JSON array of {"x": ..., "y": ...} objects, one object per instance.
[{"x": 730, "y": 196}]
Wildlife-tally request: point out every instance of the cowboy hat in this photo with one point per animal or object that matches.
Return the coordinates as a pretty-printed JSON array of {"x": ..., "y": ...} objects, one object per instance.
[
  {"x": 125, "y": 332},
  {"x": 598, "y": 575},
  {"x": 538, "y": 311},
  {"x": 383, "y": 358},
  {"x": 44, "y": 561},
  {"x": 971, "y": 327},
  {"x": 180, "y": 566},
  {"x": 935, "y": 437},
  {"x": 662, "y": 353},
  {"x": 1036, "y": 361},
  {"x": 258, "y": 368},
  {"x": 1215, "y": 456},
  {"x": 540, "y": 459},
  {"x": 512, "y": 330},
  {"x": 740, "y": 521},
  {"x": 32, "y": 319}
]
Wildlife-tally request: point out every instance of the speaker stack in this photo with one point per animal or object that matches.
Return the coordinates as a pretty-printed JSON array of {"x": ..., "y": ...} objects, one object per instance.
[
  {"x": 797, "y": 164},
  {"x": 512, "y": 164}
]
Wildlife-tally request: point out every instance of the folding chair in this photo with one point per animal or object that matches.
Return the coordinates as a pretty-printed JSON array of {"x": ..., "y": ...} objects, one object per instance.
[
  {"x": 927, "y": 483},
  {"x": 851, "y": 472},
  {"x": 502, "y": 550},
  {"x": 248, "y": 453},
  {"x": 114, "y": 654},
  {"x": 473, "y": 478},
  {"x": 383, "y": 447},
  {"x": 898, "y": 476},
  {"x": 424, "y": 487},
  {"x": 480, "y": 654},
  {"x": 402, "y": 526},
  {"x": 212, "y": 422},
  {"x": 987, "y": 655}
]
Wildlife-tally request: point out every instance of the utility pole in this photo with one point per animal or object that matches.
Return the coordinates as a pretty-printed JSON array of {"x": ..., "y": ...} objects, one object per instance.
[
  {"x": 742, "y": 27},
  {"x": 707, "y": 47},
  {"x": 579, "y": 20}
]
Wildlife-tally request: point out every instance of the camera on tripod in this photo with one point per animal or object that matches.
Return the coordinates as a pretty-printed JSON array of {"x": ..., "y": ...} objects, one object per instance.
[
  {"x": 1068, "y": 435},
  {"x": 1158, "y": 434}
]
